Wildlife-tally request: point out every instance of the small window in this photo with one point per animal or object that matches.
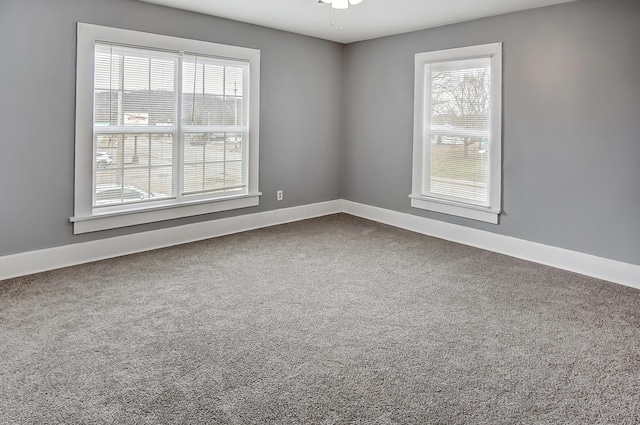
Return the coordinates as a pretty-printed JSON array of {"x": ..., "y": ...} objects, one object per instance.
[
  {"x": 457, "y": 132},
  {"x": 165, "y": 128}
]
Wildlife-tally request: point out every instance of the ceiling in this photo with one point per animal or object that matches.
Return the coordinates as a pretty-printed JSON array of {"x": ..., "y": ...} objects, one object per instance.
[{"x": 369, "y": 19}]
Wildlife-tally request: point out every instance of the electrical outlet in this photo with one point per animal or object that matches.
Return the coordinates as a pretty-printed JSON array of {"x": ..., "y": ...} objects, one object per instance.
[{"x": 279, "y": 195}]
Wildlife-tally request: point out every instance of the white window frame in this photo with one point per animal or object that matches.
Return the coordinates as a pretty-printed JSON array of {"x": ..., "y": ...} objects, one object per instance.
[
  {"x": 421, "y": 160},
  {"x": 88, "y": 219}
]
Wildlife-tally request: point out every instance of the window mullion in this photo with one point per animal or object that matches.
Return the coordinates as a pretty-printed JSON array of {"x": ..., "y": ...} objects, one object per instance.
[
  {"x": 204, "y": 107},
  {"x": 121, "y": 93},
  {"x": 426, "y": 142},
  {"x": 178, "y": 164}
]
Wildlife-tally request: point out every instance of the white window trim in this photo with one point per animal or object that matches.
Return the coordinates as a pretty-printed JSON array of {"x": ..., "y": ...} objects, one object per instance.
[
  {"x": 85, "y": 219},
  {"x": 490, "y": 213}
]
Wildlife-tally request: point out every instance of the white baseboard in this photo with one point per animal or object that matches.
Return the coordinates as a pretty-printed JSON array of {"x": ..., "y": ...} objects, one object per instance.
[
  {"x": 578, "y": 262},
  {"x": 69, "y": 255}
]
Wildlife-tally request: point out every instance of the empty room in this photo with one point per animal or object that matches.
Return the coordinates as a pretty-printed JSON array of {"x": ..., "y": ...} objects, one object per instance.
[{"x": 320, "y": 212}]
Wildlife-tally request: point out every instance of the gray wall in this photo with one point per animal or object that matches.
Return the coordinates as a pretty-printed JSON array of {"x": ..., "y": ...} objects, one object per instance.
[
  {"x": 300, "y": 139},
  {"x": 571, "y": 118},
  {"x": 571, "y": 123}
]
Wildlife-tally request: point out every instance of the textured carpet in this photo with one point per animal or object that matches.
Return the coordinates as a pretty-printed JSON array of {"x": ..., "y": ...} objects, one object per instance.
[{"x": 335, "y": 320}]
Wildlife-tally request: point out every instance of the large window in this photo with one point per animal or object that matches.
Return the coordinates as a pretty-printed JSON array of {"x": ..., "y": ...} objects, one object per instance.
[
  {"x": 457, "y": 132},
  {"x": 165, "y": 128}
]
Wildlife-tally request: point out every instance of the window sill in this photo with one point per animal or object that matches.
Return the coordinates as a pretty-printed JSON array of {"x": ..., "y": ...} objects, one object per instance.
[
  {"x": 114, "y": 220},
  {"x": 452, "y": 208}
]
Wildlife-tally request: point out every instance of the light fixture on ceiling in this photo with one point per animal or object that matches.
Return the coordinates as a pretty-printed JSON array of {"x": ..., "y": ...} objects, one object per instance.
[{"x": 340, "y": 4}]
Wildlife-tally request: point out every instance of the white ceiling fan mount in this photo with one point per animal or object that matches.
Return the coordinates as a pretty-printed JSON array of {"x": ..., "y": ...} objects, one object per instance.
[{"x": 340, "y": 4}]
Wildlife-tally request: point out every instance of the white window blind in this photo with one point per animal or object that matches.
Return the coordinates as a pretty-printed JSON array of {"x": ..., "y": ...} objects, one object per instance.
[
  {"x": 214, "y": 124},
  {"x": 135, "y": 128},
  {"x": 134, "y": 125},
  {"x": 457, "y": 135}
]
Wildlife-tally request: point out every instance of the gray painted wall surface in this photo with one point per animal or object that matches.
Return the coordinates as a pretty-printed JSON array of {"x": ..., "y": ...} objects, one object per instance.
[
  {"x": 300, "y": 140},
  {"x": 571, "y": 118},
  {"x": 571, "y": 123}
]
